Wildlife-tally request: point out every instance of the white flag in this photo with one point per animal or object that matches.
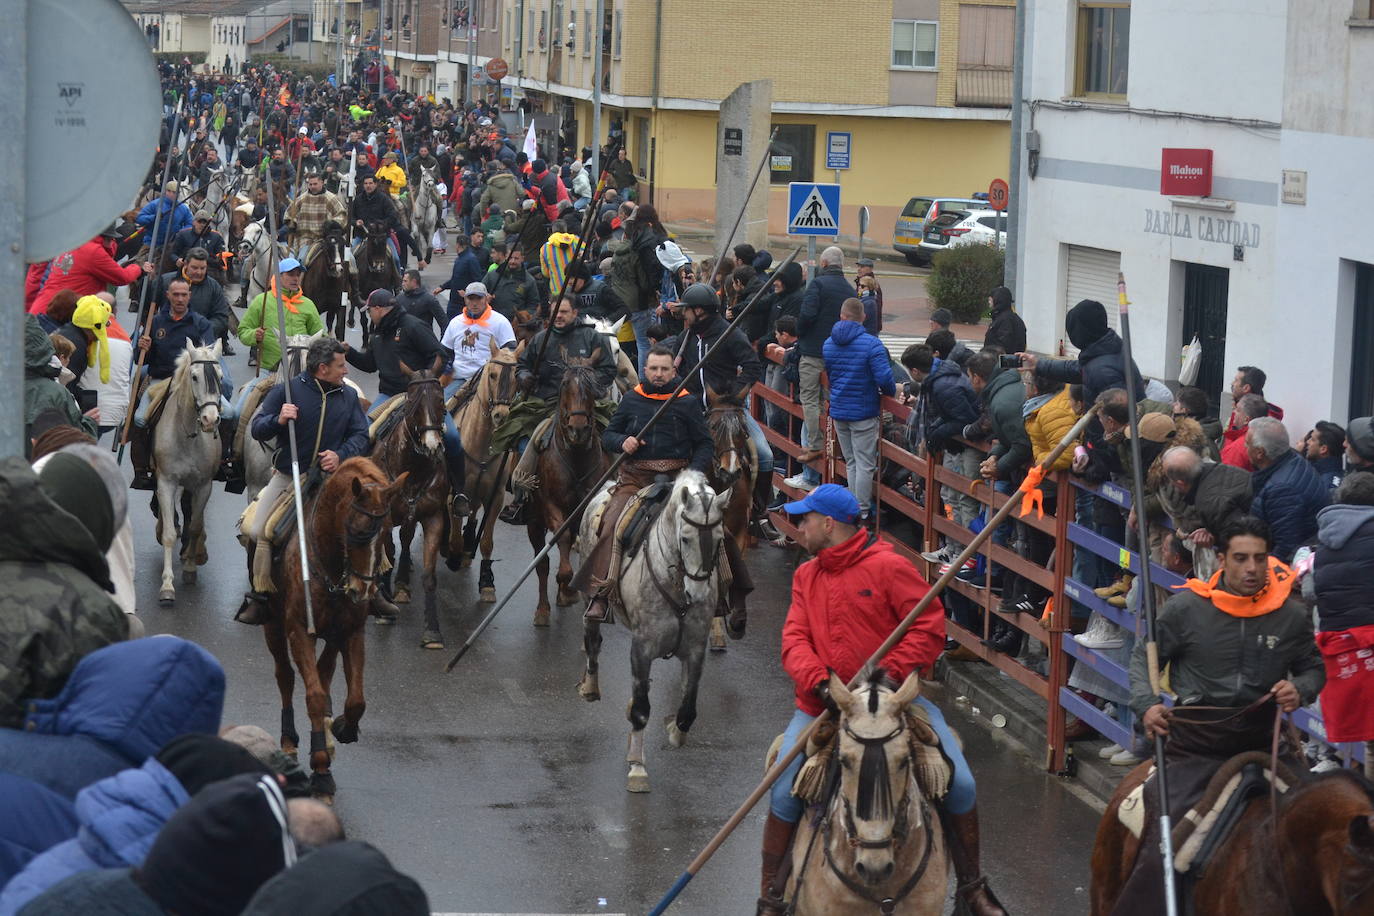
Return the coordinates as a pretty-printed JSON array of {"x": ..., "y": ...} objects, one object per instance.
[{"x": 531, "y": 147}]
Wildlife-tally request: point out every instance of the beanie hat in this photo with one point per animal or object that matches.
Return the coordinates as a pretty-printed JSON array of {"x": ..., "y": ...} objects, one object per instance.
[
  {"x": 197, "y": 760},
  {"x": 77, "y": 488},
  {"x": 93, "y": 314}
]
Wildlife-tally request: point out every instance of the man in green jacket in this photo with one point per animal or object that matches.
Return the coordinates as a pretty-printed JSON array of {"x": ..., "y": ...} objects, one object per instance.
[{"x": 258, "y": 327}]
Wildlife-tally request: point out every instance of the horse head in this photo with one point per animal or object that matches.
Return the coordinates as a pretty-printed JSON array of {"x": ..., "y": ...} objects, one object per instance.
[
  {"x": 730, "y": 435},
  {"x": 425, "y": 411},
  {"x": 877, "y": 782},
  {"x": 577, "y": 397},
  {"x": 198, "y": 369},
  {"x": 700, "y": 517},
  {"x": 499, "y": 384},
  {"x": 364, "y": 520},
  {"x": 254, "y": 234},
  {"x": 293, "y": 360},
  {"x": 335, "y": 249}
]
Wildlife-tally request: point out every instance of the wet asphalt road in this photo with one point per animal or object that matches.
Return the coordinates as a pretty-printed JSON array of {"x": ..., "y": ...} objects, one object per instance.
[{"x": 502, "y": 791}]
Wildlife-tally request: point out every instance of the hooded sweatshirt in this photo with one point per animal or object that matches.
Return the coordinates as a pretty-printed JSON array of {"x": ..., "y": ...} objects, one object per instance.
[{"x": 42, "y": 391}]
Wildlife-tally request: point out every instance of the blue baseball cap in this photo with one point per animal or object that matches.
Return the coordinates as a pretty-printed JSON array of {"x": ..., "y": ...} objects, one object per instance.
[
  {"x": 288, "y": 264},
  {"x": 828, "y": 499}
]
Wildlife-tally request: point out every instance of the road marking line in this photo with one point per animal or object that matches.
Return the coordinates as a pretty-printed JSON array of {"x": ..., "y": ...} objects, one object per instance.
[
  {"x": 613, "y": 832},
  {"x": 513, "y": 690}
]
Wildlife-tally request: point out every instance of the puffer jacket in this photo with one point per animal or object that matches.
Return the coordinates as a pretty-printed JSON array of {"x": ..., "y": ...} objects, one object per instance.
[
  {"x": 820, "y": 309},
  {"x": 859, "y": 369},
  {"x": 118, "y": 819},
  {"x": 502, "y": 190},
  {"x": 1048, "y": 418},
  {"x": 120, "y": 705},
  {"x": 1004, "y": 396},
  {"x": 42, "y": 391},
  {"x": 1288, "y": 495},
  {"x": 1006, "y": 330},
  {"x": 1345, "y": 553},
  {"x": 1220, "y": 494},
  {"x": 36, "y": 819},
  {"x": 950, "y": 405}
]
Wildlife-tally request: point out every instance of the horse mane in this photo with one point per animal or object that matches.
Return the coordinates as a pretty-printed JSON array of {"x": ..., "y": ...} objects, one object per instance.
[
  {"x": 727, "y": 419},
  {"x": 583, "y": 379},
  {"x": 1350, "y": 779},
  {"x": 688, "y": 478},
  {"x": 875, "y": 787},
  {"x": 359, "y": 468}
]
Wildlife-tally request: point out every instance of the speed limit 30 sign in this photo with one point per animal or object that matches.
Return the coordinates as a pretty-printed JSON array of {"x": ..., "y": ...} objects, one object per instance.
[{"x": 998, "y": 193}]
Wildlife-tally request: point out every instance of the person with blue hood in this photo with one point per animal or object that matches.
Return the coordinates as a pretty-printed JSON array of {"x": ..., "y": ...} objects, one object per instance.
[
  {"x": 119, "y": 817},
  {"x": 860, "y": 370},
  {"x": 119, "y": 706}
]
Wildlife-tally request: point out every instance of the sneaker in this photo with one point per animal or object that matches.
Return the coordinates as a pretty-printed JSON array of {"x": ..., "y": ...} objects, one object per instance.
[
  {"x": 1125, "y": 759},
  {"x": 969, "y": 565},
  {"x": 1100, "y": 634},
  {"x": 970, "y": 575},
  {"x": 1326, "y": 764},
  {"x": 763, "y": 529},
  {"x": 799, "y": 482},
  {"x": 1110, "y": 751},
  {"x": 778, "y": 502},
  {"x": 942, "y": 555}
]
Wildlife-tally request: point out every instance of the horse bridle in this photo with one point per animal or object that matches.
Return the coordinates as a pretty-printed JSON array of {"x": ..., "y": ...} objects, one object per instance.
[
  {"x": 414, "y": 433},
  {"x": 213, "y": 395},
  {"x": 703, "y": 530},
  {"x": 353, "y": 539},
  {"x": 899, "y": 823}
]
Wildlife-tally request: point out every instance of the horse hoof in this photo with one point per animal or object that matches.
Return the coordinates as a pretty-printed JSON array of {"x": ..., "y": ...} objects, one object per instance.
[
  {"x": 167, "y": 597},
  {"x": 323, "y": 787},
  {"x": 541, "y": 617},
  {"x": 567, "y": 599},
  {"x": 402, "y": 596},
  {"x": 487, "y": 595},
  {"x": 342, "y": 729},
  {"x": 466, "y": 561},
  {"x": 454, "y": 563},
  {"x": 431, "y": 640},
  {"x": 588, "y": 689},
  {"x": 188, "y": 577},
  {"x": 676, "y": 736},
  {"x": 717, "y": 642},
  {"x": 638, "y": 780}
]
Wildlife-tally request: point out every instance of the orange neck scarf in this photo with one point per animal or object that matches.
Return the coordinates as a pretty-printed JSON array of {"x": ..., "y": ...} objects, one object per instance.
[
  {"x": 639, "y": 390},
  {"x": 1267, "y": 600},
  {"x": 290, "y": 300},
  {"x": 480, "y": 319}
]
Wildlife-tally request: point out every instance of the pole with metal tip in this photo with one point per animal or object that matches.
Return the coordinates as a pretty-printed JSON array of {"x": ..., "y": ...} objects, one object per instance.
[
  {"x": 783, "y": 762},
  {"x": 145, "y": 312},
  {"x": 607, "y": 475},
  {"x": 1146, "y": 592},
  {"x": 275, "y": 255}
]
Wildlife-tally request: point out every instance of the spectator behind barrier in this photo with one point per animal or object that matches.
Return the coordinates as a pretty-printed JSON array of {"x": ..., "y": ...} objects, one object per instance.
[
  {"x": 1249, "y": 407},
  {"x": 857, "y": 365},
  {"x": 345, "y": 878},
  {"x": 1288, "y": 493},
  {"x": 820, "y": 309},
  {"x": 1323, "y": 447}
]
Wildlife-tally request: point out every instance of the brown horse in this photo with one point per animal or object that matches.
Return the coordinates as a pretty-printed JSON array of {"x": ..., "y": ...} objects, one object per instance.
[
  {"x": 481, "y": 406},
  {"x": 733, "y": 473},
  {"x": 327, "y": 279},
  {"x": 416, "y": 445},
  {"x": 343, "y": 527},
  {"x": 376, "y": 268},
  {"x": 567, "y": 469},
  {"x": 1316, "y": 858}
]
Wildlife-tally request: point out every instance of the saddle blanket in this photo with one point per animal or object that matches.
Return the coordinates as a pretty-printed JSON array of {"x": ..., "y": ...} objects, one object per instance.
[{"x": 384, "y": 418}]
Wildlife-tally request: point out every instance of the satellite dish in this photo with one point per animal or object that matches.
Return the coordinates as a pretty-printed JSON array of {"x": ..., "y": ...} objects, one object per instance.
[{"x": 93, "y": 108}]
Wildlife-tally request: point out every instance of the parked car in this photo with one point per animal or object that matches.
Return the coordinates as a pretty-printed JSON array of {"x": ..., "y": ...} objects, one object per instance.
[
  {"x": 964, "y": 227},
  {"x": 918, "y": 212}
]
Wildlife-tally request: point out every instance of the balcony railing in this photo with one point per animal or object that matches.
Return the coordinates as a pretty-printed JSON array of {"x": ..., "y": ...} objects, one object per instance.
[{"x": 983, "y": 86}]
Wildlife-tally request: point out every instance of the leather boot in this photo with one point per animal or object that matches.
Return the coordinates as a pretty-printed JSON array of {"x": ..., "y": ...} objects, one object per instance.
[
  {"x": 457, "y": 481},
  {"x": 231, "y": 470},
  {"x": 596, "y": 609},
  {"x": 514, "y": 513},
  {"x": 777, "y": 843},
  {"x": 253, "y": 610},
  {"x": 383, "y": 609},
  {"x": 763, "y": 495},
  {"x": 141, "y": 456},
  {"x": 973, "y": 892}
]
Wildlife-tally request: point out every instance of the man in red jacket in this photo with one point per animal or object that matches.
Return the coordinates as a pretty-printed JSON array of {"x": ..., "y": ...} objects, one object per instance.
[
  {"x": 85, "y": 271},
  {"x": 845, "y": 602}
]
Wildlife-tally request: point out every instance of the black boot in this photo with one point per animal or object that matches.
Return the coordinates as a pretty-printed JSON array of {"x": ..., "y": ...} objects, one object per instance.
[
  {"x": 457, "y": 481},
  {"x": 596, "y": 609},
  {"x": 141, "y": 456},
  {"x": 230, "y": 470},
  {"x": 973, "y": 893},
  {"x": 515, "y": 512},
  {"x": 253, "y": 610},
  {"x": 760, "y": 524}
]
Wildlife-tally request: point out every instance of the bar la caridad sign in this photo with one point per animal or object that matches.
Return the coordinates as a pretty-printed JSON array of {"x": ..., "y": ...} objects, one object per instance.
[{"x": 1182, "y": 225}]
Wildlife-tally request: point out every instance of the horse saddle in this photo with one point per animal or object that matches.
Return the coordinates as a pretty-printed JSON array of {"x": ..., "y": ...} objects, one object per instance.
[
  {"x": 313, "y": 252},
  {"x": 640, "y": 513},
  {"x": 157, "y": 400},
  {"x": 281, "y": 519},
  {"x": 257, "y": 390},
  {"x": 385, "y": 418}
]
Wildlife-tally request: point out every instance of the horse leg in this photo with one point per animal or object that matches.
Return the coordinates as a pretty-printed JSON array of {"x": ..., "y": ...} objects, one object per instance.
[
  {"x": 566, "y": 596},
  {"x": 166, "y": 505},
  {"x": 692, "y": 657},
  {"x": 402, "y": 579},
  {"x": 433, "y": 529},
  {"x": 590, "y": 686},
  {"x": 329, "y": 656},
  {"x": 535, "y": 530},
  {"x": 275, "y": 635},
  {"x": 346, "y": 729},
  {"x": 486, "y": 580},
  {"x": 718, "y": 628},
  {"x": 193, "y": 554},
  {"x": 641, "y": 660},
  {"x": 317, "y": 707}
]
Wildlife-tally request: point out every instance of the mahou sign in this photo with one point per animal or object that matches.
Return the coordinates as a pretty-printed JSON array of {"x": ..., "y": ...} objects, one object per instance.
[{"x": 1186, "y": 172}]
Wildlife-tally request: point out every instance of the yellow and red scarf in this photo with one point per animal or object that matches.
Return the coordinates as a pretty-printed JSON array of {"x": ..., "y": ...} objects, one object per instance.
[{"x": 1265, "y": 601}]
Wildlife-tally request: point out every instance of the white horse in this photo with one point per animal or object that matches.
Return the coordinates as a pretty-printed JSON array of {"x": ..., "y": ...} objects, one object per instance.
[
  {"x": 625, "y": 375},
  {"x": 186, "y": 451},
  {"x": 424, "y": 212},
  {"x": 248, "y": 181},
  {"x": 667, "y": 593},
  {"x": 255, "y": 253}
]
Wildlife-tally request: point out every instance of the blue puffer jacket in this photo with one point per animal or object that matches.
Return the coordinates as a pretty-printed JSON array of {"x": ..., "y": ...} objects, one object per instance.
[
  {"x": 35, "y": 819},
  {"x": 119, "y": 817},
  {"x": 120, "y": 705},
  {"x": 859, "y": 368},
  {"x": 951, "y": 404},
  {"x": 1288, "y": 495},
  {"x": 1345, "y": 554}
]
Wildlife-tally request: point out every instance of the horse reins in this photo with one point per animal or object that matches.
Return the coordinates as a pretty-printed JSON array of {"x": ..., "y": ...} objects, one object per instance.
[{"x": 213, "y": 396}]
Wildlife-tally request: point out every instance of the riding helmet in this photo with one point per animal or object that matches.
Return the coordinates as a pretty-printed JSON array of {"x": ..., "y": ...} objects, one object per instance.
[{"x": 701, "y": 296}]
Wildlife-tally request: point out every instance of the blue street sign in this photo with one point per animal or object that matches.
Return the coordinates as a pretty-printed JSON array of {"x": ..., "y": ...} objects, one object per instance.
[
  {"x": 837, "y": 143},
  {"x": 813, "y": 209}
]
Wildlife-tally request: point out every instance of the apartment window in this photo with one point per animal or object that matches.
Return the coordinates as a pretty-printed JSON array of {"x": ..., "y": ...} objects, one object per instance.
[
  {"x": 543, "y": 29},
  {"x": 1104, "y": 33},
  {"x": 792, "y": 157},
  {"x": 913, "y": 44},
  {"x": 618, "y": 18},
  {"x": 587, "y": 34},
  {"x": 557, "y": 36},
  {"x": 572, "y": 29},
  {"x": 506, "y": 32}
]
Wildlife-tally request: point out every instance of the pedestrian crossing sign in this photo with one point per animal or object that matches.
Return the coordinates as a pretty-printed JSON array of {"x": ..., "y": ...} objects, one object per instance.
[{"x": 813, "y": 209}]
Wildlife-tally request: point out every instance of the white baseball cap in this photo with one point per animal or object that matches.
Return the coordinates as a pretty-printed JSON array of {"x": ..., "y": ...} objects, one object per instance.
[{"x": 476, "y": 288}]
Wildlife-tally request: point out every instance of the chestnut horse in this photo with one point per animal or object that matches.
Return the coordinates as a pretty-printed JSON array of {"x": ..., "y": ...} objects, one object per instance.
[
  {"x": 344, "y": 524},
  {"x": 732, "y": 474},
  {"x": 1316, "y": 858},
  {"x": 416, "y": 445},
  {"x": 327, "y": 279},
  {"x": 567, "y": 469}
]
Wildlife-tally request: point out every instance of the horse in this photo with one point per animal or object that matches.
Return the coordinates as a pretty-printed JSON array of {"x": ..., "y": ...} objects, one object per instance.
[
  {"x": 376, "y": 267},
  {"x": 1313, "y": 852},
  {"x": 425, "y": 207},
  {"x": 255, "y": 254},
  {"x": 732, "y": 474},
  {"x": 327, "y": 278},
  {"x": 248, "y": 180},
  {"x": 878, "y": 846},
  {"x": 482, "y": 406},
  {"x": 186, "y": 453},
  {"x": 415, "y": 446},
  {"x": 668, "y": 590},
  {"x": 344, "y": 524},
  {"x": 567, "y": 468}
]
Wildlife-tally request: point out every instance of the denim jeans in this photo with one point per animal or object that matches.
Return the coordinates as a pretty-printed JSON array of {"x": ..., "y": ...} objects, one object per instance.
[
  {"x": 227, "y": 410},
  {"x": 640, "y": 321},
  {"x": 962, "y": 791},
  {"x": 761, "y": 445}
]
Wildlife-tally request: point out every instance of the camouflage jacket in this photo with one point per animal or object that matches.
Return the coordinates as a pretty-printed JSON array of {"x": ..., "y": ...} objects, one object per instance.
[{"x": 56, "y": 601}]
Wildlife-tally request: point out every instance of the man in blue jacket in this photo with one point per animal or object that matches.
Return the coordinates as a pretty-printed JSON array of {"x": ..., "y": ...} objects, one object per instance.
[
  {"x": 1288, "y": 492},
  {"x": 466, "y": 269},
  {"x": 175, "y": 217},
  {"x": 860, "y": 369},
  {"x": 820, "y": 309},
  {"x": 319, "y": 401}
]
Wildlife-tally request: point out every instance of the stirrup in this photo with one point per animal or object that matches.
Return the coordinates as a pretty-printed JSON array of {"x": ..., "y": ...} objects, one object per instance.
[
  {"x": 966, "y": 891},
  {"x": 771, "y": 906},
  {"x": 253, "y": 611}
]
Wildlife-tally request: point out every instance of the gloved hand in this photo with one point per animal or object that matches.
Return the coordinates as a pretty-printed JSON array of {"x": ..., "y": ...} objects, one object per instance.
[{"x": 823, "y": 691}]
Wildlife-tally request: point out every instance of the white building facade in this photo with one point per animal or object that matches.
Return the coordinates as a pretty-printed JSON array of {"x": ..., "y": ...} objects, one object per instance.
[{"x": 1154, "y": 150}]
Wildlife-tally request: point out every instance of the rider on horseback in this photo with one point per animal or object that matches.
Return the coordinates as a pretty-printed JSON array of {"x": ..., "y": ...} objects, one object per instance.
[
  {"x": 331, "y": 428},
  {"x": 529, "y": 422},
  {"x": 373, "y": 205},
  {"x": 681, "y": 431},
  {"x": 308, "y": 214},
  {"x": 845, "y": 602}
]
